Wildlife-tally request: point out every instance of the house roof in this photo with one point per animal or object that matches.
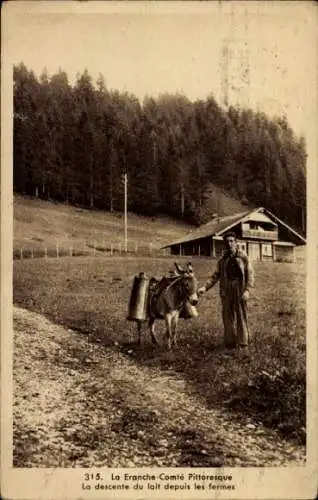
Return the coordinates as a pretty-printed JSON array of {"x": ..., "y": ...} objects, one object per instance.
[{"x": 218, "y": 226}]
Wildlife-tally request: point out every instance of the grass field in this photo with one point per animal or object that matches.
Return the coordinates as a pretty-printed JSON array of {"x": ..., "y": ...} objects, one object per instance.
[
  {"x": 40, "y": 225},
  {"x": 266, "y": 384}
]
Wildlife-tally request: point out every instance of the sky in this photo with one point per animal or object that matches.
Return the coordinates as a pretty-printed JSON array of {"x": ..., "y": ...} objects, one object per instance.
[{"x": 152, "y": 47}]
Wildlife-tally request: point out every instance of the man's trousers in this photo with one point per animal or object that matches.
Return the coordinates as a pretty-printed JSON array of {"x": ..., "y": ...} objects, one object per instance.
[{"x": 234, "y": 313}]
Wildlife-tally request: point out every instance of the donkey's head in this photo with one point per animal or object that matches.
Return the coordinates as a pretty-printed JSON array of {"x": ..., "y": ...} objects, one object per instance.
[{"x": 189, "y": 283}]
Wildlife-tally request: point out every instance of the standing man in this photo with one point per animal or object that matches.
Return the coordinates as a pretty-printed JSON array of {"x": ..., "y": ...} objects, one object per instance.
[{"x": 235, "y": 274}]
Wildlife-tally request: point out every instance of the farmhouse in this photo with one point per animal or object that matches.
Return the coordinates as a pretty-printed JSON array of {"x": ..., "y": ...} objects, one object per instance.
[{"x": 259, "y": 233}]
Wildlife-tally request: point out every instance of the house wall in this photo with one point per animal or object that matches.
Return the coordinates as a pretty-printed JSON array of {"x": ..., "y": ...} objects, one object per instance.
[
  {"x": 256, "y": 250},
  {"x": 259, "y": 230},
  {"x": 284, "y": 254},
  {"x": 242, "y": 245}
]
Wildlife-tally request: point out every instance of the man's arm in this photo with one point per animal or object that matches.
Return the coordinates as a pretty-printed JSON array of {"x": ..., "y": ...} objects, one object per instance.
[
  {"x": 211, "y": 282},
  {"x": 249, "y": 277}
]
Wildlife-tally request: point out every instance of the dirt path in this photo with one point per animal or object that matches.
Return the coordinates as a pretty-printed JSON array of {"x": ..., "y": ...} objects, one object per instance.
[{"x": 81, "y": 404}]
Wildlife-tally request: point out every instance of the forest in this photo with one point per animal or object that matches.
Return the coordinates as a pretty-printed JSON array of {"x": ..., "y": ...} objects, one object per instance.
[{"x": 73, "y": 143}]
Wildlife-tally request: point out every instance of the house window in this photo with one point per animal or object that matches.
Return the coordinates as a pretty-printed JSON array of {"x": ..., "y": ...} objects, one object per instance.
[{"x": 267, "y": 250}]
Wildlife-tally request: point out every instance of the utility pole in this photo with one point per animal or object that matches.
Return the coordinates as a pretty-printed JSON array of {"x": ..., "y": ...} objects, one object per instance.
[{"x": 125, "y": 209}]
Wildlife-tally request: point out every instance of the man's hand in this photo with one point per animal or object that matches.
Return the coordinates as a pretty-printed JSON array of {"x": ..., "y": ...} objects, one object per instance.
[
  {"x": 245, "y": 295},
  {"x": 201, "y": 290}
]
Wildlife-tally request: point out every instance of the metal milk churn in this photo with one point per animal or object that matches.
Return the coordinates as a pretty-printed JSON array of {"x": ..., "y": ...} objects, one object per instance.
[{"x": 138, "y": 304}]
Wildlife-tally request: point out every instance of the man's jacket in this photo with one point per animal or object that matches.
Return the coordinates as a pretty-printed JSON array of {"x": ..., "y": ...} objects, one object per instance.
[{"x": 247, "y": 274}]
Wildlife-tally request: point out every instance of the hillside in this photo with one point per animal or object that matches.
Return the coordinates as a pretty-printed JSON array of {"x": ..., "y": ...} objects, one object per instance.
[
  {"x": 41, "y": 224},
  {"x": 221, "y": 201}
]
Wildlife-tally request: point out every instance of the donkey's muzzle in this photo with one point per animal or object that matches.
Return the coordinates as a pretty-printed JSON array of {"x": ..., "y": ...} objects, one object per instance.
[{"x": 193, "y": 299}]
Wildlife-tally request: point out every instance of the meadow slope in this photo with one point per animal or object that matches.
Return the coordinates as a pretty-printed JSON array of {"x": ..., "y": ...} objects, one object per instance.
[
  {"x": 90, "y": 296},
  {"x": 41, "y": 224},
  {"x": 79, "y": 404}
]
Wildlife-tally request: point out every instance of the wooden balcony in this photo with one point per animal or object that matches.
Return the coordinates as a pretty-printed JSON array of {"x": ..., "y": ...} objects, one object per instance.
[{"x": 260, "y": 235}]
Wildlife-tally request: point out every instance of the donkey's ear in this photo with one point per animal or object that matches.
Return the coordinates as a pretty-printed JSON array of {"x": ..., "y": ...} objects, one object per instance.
[
  {"x": 190, "y": 268},
  {"x": 179, "y": 269}
]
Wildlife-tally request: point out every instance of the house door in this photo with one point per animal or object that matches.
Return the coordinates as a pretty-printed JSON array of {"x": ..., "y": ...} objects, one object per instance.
[{"x": 254, "y": 251}]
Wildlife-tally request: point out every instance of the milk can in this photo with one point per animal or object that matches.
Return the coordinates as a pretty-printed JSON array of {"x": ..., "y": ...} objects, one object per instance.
[{"x": 138, "y": 304}]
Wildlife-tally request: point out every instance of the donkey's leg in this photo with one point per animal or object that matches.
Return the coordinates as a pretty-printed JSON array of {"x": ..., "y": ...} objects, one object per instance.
[
  {"x": 174, "y": 327},
  {"x": 168, "y": 320},
  {"x": 151, "y": 324}
]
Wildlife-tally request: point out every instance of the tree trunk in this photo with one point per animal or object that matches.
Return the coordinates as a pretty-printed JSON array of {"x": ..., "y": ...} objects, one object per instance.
[
  {"x": 91, "y": 189},
  {"x": 182, "y": 200},
  {"x": 111, "y": 207}
]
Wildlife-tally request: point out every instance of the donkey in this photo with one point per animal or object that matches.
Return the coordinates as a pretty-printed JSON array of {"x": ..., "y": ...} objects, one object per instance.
[{"x": 168, "y": 298}]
